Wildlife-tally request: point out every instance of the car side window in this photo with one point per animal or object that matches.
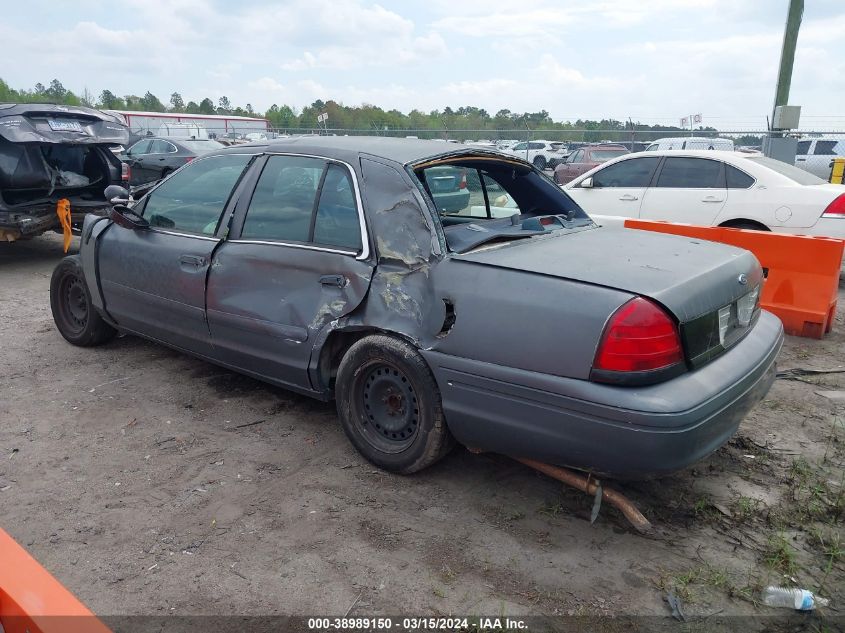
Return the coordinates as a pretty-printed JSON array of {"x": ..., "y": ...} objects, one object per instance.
[
  {"x": 520, "y": 147},
  {"x": 192, "y": 200},
  {"x": 803, "y": 147},
  {"x": 636, "y": 172},
  {"x": 737, "y": 179},
  {"x": 283, "y": 201},
  {"x": 825, "y": 148},
  {"x": 535, "y": 146},
  {"x": 577, "y": 157},
  {"x": 691, "y": 173},
  {"x": 337, "y": 222},
  {"x": 141, "y": 147},
  {"x": 160, "y": 147}
]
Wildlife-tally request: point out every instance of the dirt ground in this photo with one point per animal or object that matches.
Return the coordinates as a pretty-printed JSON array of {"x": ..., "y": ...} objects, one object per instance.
[{"x": 149, "y": 482}]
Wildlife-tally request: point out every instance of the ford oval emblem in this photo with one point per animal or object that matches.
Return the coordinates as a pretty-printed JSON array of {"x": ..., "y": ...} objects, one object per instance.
[{"x": 742, "y": 279}]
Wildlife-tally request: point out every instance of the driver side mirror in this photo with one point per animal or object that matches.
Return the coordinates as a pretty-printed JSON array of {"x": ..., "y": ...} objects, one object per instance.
[
  {"x": 116, "y": 194},
  {"x": 587, "y": 183},
  {"x": 127, "y": 218}
]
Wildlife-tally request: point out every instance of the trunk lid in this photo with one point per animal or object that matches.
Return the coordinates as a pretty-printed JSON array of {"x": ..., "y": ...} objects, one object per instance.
[
  {"x": 46, "y": 123},
  {"x": 689, "y": 277}
]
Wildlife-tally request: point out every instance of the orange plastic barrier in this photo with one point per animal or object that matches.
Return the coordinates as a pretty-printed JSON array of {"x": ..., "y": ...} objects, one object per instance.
[
  {"x": 802, "y": 271},
  {"x": 32, "y": 600}
]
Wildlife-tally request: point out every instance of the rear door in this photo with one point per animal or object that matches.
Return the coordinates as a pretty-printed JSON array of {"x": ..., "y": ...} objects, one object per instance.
[
  {"x": 153, "y": 281},
  {"x": 689, "y": 190},
  {"x": 297, "y": 258},
  {"x": 617, "y": 189}
]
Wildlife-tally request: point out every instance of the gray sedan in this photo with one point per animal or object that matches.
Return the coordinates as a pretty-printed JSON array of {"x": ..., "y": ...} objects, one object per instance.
[{"x": 324, "y": 265}]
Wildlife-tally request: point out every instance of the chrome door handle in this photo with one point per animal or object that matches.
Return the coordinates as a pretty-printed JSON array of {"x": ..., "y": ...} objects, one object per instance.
[
  {"x": 712, "y": 199},
  {"x": 800, "y": 160},
  {"x": 628, "y": 196}
]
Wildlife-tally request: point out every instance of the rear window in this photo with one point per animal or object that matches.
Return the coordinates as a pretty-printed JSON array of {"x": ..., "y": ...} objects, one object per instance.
[
  {"x": 790, "y": 171},
  {"x": 602, "y": 155},
  {"x": 472, "y": 190}
]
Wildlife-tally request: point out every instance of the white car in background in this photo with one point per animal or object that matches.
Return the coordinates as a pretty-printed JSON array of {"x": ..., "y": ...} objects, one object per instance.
[
  {"x": 713, "y": 188},
  {"x": 691, "y": 142},
  {"x": 543, "y": 154},
  {"x": 816, "y": 155}
]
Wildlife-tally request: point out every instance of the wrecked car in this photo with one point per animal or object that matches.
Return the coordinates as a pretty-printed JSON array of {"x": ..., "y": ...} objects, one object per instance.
[
  {"x": 54, "y": 152},
  {"x": 324, "y": 266}
]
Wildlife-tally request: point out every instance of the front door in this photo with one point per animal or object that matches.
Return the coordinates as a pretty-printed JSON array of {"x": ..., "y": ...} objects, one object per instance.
[
  {"x": 617, "y": 189},
  {"x": 688, "y": 190},
  {"x": 153, "y": 280},
  {"x": 297, "y": 258}
]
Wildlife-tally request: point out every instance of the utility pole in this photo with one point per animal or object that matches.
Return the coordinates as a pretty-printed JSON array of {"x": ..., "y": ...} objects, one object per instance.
[{"x": 787, "y": 55}]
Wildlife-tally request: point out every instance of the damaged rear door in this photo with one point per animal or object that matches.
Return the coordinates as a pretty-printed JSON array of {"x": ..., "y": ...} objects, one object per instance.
[{"x": 297, "y": 258}]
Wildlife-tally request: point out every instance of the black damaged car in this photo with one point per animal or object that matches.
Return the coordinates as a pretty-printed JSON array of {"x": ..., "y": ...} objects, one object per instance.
[{"x": 53, "y": 152}]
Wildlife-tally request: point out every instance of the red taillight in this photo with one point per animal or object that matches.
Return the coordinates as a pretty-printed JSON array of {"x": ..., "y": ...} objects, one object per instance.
[
  {"x": 463, "y": 183},
  {"x": 835, "y": 209},
  {"x": 124, "y": 172},
  {"x": 640, "y": 336},
  {"x": 189, "y": 159}
]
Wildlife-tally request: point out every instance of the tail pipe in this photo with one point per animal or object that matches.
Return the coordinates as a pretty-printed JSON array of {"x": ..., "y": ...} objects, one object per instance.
[{"x": 589, "y": 486}]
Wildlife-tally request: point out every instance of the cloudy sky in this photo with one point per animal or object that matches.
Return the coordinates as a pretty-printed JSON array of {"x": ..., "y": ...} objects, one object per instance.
[{"x": 652, "y": 60}]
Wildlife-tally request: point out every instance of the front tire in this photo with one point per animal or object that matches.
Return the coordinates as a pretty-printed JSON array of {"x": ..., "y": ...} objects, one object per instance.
[
  {"x": 73, "y": 312},
  {"x": 539, "y": 162},
  {"x": 389, "y": 405}
]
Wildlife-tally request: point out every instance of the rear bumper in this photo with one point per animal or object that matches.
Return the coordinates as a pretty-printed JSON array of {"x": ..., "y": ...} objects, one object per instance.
[
  {"x": 38, "y": 219},
  {"x": 620, "y": 431}
]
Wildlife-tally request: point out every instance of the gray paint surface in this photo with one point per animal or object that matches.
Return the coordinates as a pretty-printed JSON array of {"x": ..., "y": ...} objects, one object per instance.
[{"x": 512, "y": 368}]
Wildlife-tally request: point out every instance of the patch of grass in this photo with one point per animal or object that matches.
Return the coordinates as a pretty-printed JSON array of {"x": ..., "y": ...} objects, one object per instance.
[
  {"x": 437, "y": 591},
  {"x": 799, "y": 471},
  {"x": 703, "y": 508},
  {"x": 746, "y": 508},
  {"x": 704, "y": 576},
  {"x": 780, "y": 556},
  {"x": 447, "y": 574},
  {"x": 551, "y": 509}
]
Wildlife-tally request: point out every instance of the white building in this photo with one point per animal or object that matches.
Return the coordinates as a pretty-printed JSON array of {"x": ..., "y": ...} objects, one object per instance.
[{"x": 217, "y": 125}]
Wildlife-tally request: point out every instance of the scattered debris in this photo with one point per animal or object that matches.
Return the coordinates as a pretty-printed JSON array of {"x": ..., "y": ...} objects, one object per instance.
[
  {"x": 676, "y": 606},
  {"x": 242, "y": 426},
  {"x": 792, "y": 598}
]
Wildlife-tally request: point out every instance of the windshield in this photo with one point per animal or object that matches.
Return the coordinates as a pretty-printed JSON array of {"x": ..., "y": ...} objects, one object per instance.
[
  {"x": 479, "y": 200},
  {"x": 201, "y": 146},
  {"x": 602, "y": 155},
  {"x": 790, "y": 171}
]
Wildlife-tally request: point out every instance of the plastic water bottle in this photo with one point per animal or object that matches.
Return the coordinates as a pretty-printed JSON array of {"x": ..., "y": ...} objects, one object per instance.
[{"x": 798, "y": 599}]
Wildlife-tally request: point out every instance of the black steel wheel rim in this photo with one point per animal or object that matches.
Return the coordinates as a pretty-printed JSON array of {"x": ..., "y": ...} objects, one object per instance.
[
  {"x": 389, "y": 409},
  {"x": 73, "y": 303}
]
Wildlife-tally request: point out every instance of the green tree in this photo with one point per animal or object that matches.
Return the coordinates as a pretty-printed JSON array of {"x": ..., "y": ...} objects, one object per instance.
[
  {"x": 224, "y": 106},
  {"x": 206, "y": 106},
  {"x": 110, "y": 101},
  {"x": 192, "y": 107},
  {"x": 177, "y": 104},
  {"x": 150, "y": 103}
]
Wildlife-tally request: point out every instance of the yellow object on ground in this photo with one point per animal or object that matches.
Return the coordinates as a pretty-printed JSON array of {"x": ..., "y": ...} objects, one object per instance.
[
  {"x": 837, "y": 173},
  {"x": 63, "y": 211}
]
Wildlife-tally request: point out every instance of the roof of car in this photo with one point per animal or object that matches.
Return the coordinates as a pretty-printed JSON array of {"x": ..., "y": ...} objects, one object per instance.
[
  {"x": 721, "y": 154},
  {"x": 400, "y": 150}
]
